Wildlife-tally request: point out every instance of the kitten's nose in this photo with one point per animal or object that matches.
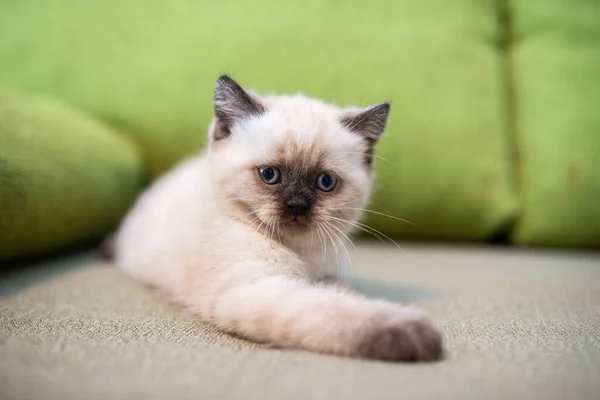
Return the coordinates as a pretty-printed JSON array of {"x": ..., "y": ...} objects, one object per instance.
[{"x": 298, "y": 208}]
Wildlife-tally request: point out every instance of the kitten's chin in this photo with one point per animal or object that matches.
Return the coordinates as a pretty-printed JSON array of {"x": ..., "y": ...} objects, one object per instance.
[{"x": 297, "y": 226}]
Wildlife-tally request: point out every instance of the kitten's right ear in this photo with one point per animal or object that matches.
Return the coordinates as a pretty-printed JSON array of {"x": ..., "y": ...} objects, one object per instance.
[{"x": 232, "y": 104}]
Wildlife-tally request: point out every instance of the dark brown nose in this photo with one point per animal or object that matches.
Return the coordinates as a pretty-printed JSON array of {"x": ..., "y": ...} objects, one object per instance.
[{"x": 299, "y": 208}]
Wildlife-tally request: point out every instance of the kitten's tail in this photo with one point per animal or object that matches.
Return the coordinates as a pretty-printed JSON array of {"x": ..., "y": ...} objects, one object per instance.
[
  {"x": 290, "y": 312},
  {"x": 107, "y": 250}
]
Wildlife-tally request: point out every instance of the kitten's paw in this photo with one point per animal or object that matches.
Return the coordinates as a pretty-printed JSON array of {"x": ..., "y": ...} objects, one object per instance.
[{"x": 407, "y": 336}]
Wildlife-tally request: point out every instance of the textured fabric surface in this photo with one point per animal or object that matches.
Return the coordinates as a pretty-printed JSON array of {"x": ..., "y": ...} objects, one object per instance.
[
  {"x": 518, "y": 324},
  {"x": 556, "y": 64},
  {"x": 64, "y": 178},
  {"x": 151, "y": 66}
]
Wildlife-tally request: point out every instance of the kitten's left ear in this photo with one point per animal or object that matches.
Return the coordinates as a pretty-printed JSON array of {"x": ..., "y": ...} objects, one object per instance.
[
  {"x": 369, "y": 123},
  {"x": 232, "y": 104}
]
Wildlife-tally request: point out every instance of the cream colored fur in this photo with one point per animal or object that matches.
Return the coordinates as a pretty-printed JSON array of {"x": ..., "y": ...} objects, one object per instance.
[{"x": 207, "y": 234}]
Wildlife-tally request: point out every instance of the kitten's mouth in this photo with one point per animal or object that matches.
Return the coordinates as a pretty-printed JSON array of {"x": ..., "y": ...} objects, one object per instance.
[{"x": 296, "y": 223}]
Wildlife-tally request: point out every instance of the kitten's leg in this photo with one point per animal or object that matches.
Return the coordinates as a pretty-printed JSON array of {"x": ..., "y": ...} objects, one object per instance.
[{"x": 290, "y": 311}]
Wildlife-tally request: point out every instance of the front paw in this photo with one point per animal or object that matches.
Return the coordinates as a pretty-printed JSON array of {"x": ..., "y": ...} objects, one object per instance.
[{"x": 407, "y": 335}]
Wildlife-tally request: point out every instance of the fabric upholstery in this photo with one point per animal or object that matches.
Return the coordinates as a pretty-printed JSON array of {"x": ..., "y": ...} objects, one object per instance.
[
  {"x": 556, "y": 60},
  {"x": 518, "y": 325},
  {"x": 151, "y": 68},
  {"x": 64, "y": 177}
]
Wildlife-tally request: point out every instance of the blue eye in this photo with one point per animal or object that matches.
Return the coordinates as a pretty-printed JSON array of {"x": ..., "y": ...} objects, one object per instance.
[
  {"x": 269, "y": 175},
  {"x": 326, "y": 182}
]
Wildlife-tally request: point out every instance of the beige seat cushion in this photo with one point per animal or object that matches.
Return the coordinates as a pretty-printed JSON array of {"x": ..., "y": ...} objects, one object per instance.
[{"x": 518, "y": 325}]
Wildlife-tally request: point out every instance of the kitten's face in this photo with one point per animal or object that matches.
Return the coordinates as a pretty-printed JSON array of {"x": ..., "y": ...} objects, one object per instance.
[{"x": 292, "y": 165}]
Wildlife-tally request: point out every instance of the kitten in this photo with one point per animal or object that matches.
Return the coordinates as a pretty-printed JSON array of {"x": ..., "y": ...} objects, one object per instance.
[{"x": 245, "y": 234}]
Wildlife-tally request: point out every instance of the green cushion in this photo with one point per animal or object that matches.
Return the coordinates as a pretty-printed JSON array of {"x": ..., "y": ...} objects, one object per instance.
[
  {"x": 64, "y": 178},
  {"x": 556, "y": 68},
  {"x": 151, "y": 67}
]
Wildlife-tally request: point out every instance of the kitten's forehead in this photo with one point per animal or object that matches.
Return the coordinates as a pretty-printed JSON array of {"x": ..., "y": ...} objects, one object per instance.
[
  {"x": 300, "y": 132},
  {"x": 301, "y": 154}
]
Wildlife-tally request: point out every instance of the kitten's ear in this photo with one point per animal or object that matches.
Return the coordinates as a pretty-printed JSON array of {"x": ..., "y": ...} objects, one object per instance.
[
  {"x": 369, "y": 123},
  {"x": 232, "y": 104}
]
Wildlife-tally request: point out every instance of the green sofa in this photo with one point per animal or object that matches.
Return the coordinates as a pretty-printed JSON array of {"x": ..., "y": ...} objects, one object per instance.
[
  {"x": 494, "y": 131},
  {"x": 64, "y": 177}
]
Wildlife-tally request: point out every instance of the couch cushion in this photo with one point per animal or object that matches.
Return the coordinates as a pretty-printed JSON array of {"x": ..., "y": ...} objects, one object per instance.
[
  {"x": 152, "y": 68},
  {"x": 64, "y": 177},
  {"x": 517, "y": 324},
  {"x": 556, "y": 76}
]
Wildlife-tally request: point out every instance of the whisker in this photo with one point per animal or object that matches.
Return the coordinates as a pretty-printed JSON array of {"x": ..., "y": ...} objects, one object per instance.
[
  {"x": 278, "y": 231},
  {"x": 337, "y": 253},
  {"x": 346, "y": 236},
  {"x": 252, "y": 224},
  {"x": 344, "y": 203},
  {"x": 243, "y": 215},
  {"x": 360, "y": 224},
  {"x": 349, "y": 259},
  {"x": 347, "y": 171},
  {"x": 257, "y": 232},
  {"x": 353, "y": 224},
  {"x": 358, "y": 152},
  {"x": 338, "y": 265},
  {"x": 372, "y": 233},
  {"x": 323, "y": 248},
  {"x": 379, "y": 213},
  {"x": 270, "y": 229},
  {"x": 347, "y": 163}
]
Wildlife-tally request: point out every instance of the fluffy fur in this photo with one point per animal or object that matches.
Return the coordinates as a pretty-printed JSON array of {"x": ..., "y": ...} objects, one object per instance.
[{"x": 231, "y": 248}]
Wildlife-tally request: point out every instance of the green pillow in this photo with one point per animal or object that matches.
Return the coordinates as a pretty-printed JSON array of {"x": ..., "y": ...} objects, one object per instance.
[
  {"x": 152, "y": 67},
  {"x": 64, "y": 178},
  {"x": 556, "y": 72}
]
